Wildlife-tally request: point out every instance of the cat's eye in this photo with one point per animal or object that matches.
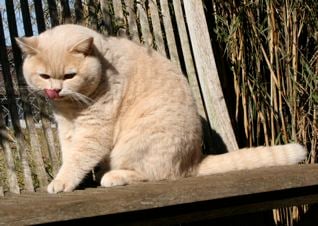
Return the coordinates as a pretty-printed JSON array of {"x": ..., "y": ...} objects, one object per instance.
[
  {"x": 69, "y": 76},
  {"x": 44, "y": 76}
]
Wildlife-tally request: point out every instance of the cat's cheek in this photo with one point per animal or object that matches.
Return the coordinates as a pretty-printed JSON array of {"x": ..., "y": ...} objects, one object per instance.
[{"x": 32, "y": 82}]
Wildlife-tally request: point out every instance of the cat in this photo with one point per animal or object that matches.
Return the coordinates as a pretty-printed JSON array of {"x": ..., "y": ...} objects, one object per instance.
[{"x": 128, "y": 107}]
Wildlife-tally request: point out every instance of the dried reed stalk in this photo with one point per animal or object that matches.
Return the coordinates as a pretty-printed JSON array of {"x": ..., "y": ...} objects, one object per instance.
[{"x": 272, "y": 47}]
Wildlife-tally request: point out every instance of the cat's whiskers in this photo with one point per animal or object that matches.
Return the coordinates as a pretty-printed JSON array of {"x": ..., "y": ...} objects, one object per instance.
[{"x": 79, "y": 98}]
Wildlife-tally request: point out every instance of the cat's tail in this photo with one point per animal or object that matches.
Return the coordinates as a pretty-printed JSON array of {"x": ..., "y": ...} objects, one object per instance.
[{"x": 251, "y": 158}]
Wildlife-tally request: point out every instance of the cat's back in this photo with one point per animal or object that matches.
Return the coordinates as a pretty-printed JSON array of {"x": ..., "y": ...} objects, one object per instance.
[{"x": 155, "y": 87}]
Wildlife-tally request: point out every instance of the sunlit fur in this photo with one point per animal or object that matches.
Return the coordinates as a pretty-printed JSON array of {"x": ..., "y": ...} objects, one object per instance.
[{"x": 127, "y": 108}]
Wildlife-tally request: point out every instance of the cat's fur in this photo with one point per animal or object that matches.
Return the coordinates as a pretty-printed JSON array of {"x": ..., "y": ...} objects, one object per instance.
[{"x": 119, "y": 103}]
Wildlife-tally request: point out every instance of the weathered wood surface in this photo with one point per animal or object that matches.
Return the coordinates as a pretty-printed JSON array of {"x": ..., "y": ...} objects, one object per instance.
[
  {"x": 207, "y": 73},
  {"x": 8, "y": 83},
  {"x": 164, "y": 202}
]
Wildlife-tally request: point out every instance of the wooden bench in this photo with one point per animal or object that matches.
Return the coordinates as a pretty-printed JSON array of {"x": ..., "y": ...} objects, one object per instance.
[
  {"x": 183, "y": 37},
  {"x": 168, "y": 202}
]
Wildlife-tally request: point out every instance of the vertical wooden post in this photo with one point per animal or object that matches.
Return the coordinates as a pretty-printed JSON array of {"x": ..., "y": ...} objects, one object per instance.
[{"x": 207, "y": 73}]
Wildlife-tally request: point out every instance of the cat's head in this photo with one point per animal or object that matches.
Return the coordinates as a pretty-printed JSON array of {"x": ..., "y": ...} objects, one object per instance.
[{"x": 61, "y": 65}]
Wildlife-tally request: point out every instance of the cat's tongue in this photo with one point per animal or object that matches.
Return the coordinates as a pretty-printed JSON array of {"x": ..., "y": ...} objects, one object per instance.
[{"x": 52, "y": 93}]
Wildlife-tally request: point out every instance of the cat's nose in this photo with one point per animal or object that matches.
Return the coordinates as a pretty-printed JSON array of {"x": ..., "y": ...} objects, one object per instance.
[{"x": 52, "y": 93}]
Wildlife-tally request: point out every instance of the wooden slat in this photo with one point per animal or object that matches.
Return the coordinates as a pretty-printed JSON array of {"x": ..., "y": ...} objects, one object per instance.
[
  {"x": 32, "y": 133},
  {"x": 26, "y": 17},
  {"x": 1, "y": 191},
  {"x": 173, "y": 53},
  {"x": 146, "y": 37},
  {"x": 119, "y": 16},
  {"x": 107, "y": 16},
  {"x": 21, "y": 147},
  {"x": 170, "y": 202},
  {"x": 38, "y": 8},
  {"x": 9, "y": 160},
  {"x": 66, "y": 11},
  {"x": 207, "y": 73},
  {"x": 118, "y": 9},
  {"x": 131, "y": 18},
  {"x": 92, "y": 14},
  {"x": 53, "y": 12},
  {"x": 187, "y": 55},
  {"x": 191, "y": 72},
  {"x": 78, "y": 11},
  {"x": 155, "y": 20}
]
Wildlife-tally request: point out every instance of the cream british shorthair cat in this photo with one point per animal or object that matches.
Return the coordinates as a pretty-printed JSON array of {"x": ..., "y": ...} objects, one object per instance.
[{"x": 125, "y": 106}]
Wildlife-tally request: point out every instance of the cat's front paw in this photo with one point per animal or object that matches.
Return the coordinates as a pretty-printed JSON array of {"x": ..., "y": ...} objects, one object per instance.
[
  {"x": 110, "y": 180},
  {"x": 57, "y": 186}
]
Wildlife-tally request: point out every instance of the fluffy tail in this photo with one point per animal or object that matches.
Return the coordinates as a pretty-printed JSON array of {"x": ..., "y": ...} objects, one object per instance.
[{"x": 251, "y": 158}]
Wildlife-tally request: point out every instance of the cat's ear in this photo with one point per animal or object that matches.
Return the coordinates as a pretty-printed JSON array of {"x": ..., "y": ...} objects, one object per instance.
[
  {"x": 28, "y": 45},
  {"x": 84, "y": 46}
]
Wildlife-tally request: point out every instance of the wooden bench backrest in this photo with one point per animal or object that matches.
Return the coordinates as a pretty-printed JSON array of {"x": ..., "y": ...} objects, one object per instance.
[{"x": 177, "y": 29}]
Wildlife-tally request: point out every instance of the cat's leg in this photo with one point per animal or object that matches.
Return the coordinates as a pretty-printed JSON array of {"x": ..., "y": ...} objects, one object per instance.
[
  {"x": 121, "y": 177},
  {"x": 87, "y": 149}
]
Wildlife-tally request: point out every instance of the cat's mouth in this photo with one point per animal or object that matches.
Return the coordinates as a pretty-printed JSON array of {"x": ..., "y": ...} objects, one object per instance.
[
  {"x": 53, "y": 94},
  {"x": 65, "y": 95}
]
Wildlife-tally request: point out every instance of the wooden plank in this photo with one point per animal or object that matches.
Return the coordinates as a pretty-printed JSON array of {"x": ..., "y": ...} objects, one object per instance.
[
  {"x": 92, "y": 14},
  {"x": 38, "y": 8},
  {"x": 146, "y": 37},
  {"x": 118, "y": 9},
  {"x": 54, "y": 18},
  {"x": 26, "y": 17},
  {"x": 66, "y": 11},
  {"x": 170, "y": 202},
  {"x": 131, "y": 18},
  {"x": 21, "y": 147},
  {"x": 105, "y": 6},
  {"x": 119, "y": 17},
  {"x": 187, "y": 55},
  {"x": 173, "y": 52},
  {"x": 1, "y": 191},
  {"x": 32, "y": 133},
  {"x": 78, "y": 11},
  {"x": 207, "y": 72},
  {"x": 209, "y": 141},
  {"x": 9, "y": 160},
  {"x": 157, "y": 32}
]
